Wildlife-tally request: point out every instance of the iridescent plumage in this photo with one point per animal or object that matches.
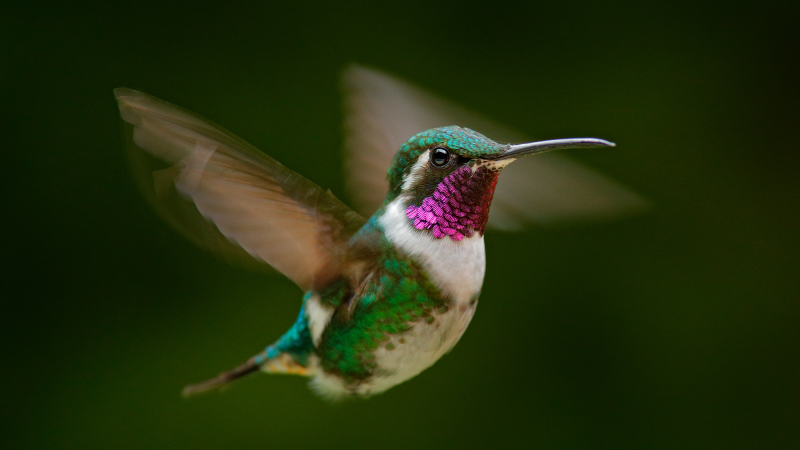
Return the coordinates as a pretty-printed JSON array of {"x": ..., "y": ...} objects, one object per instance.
[{"x": 385, "y": 298}]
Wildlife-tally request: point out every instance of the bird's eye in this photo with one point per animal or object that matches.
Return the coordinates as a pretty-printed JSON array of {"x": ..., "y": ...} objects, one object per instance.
[{"x": 440, "y": 156}]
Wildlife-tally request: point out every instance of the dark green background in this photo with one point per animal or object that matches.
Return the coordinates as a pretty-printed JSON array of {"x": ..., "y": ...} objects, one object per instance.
[{"x": 675, "y": 329}]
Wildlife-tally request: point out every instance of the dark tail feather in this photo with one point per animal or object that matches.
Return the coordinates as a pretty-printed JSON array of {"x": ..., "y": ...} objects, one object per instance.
[{"x": 222, "y": 379}]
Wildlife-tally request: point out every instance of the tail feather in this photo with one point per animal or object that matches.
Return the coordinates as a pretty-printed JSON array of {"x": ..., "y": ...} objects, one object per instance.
[{"x": 222, "y": 379}]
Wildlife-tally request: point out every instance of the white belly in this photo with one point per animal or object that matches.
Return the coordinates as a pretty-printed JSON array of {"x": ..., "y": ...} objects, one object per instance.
[
  {"x": 404, "y": 356},
  {"x": 418, "y": 349}
]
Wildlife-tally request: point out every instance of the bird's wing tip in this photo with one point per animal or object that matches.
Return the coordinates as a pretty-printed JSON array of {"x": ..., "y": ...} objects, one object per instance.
[{"x": 124, "y": 92}]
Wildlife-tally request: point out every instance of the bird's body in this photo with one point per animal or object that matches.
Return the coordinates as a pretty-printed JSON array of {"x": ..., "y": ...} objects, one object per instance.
[
  {"x": 410, "y": 306},
  {"x": 410, "y": 282},
  {"x": 397, "y": 322},
  {"x": 386, "y": 297}
]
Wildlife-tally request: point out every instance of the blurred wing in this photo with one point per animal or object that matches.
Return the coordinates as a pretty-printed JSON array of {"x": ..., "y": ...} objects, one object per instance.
[
  {"x": 382, "y": 112},
  {"x": 227, "y": 196}
]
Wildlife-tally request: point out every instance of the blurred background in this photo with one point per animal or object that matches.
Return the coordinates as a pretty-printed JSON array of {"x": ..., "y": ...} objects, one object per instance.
[{"x": 677, "y": 328}]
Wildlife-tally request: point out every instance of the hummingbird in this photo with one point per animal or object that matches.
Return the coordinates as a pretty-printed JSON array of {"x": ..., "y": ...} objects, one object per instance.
[{"x": 388, "y": 287}]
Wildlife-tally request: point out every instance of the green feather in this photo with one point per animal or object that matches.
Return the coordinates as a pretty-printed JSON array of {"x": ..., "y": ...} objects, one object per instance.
[{"x": 400, "y": 298}]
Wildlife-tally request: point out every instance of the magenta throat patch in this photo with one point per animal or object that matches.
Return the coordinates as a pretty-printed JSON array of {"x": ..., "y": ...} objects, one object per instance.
[{"x": 460, "y": 204}]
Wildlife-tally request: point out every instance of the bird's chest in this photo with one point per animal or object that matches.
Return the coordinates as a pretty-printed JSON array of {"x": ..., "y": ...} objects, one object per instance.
[
  {"x": 413, "y": 310},
  {"x": 456, "y": 267}
]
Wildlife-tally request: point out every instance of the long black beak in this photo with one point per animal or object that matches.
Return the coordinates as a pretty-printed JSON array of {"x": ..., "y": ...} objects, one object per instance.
[{"x": 520, "y": 150}]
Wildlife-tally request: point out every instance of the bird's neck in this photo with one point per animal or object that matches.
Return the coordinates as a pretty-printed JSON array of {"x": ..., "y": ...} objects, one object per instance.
[
  {"x": 458, "y": 206},
  {"x": 457, "y": 267}
]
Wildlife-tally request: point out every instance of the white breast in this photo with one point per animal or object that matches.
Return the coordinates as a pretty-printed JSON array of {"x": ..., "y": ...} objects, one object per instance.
[{"x": 456, "y": 267}]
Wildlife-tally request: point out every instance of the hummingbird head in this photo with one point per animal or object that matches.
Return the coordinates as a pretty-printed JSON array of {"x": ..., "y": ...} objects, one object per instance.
[{"x": 445, "y": 177}]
